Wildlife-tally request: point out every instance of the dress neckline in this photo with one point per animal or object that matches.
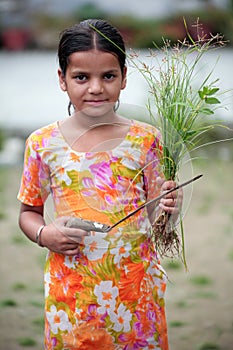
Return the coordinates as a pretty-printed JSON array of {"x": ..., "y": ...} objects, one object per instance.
[{"x": 123, "y": 139}]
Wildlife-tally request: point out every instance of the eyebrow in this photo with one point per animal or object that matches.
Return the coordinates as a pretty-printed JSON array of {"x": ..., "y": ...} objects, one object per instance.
[{"x": 77, "y": 71}]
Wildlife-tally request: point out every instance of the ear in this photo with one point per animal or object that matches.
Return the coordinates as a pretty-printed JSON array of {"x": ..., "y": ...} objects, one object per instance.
[
  {"x": 124, "y": 80},
  {"x": 62, "y": 80}
]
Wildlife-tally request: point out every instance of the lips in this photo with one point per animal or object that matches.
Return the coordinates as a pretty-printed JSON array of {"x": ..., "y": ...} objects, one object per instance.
[{"x": 95, "y": 102}]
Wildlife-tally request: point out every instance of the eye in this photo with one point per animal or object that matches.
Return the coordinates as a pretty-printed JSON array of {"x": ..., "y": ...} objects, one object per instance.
[
  {"x": 81, "y": 77},
  {"x": 109, "y": 76}
]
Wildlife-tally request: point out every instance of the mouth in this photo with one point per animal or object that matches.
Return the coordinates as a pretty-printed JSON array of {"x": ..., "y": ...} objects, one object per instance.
[{"x": 95, "y": 103}]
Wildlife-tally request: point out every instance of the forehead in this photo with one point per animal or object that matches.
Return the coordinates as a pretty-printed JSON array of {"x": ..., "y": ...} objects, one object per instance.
[{"x": 93, "y": 59}]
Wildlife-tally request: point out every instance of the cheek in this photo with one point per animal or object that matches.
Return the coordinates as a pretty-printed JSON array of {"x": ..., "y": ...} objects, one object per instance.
[{"x": 74, "y": 91}]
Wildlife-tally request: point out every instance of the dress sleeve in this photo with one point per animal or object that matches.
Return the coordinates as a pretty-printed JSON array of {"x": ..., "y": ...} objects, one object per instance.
[{"x": 35, "y": 183}]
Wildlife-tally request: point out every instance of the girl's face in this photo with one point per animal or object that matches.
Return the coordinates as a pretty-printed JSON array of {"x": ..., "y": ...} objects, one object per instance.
[{"x": 93, "y": 82}]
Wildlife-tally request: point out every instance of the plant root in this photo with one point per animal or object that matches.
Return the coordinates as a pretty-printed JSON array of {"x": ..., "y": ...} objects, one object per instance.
[{"x": 165, "y": 237}]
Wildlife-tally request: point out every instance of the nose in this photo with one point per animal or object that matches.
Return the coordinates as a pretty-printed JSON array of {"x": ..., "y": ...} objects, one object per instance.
[{"x": 95, "y": 86}]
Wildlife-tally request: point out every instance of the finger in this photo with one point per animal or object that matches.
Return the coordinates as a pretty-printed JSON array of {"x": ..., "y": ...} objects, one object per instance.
[
  {"x": 171, "y": 195},
  {"x": 76, "y": 235},
  {"x": 70, "y": 246},
  {"x": 75, "y": 231},
  {"x": 160, "y": 181},
  {"x": 169, "y": 209},
  {"x": 71, "y": 252},
  {"x": 169, "y": 202},
  {"x": 168, "y": 185},
  {"x": 73, "y": 241}
]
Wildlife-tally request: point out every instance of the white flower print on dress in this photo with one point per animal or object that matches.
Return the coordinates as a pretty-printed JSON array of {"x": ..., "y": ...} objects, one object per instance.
[
  {"x": 95, "y": 246},
  {"x": 158, "y": 275},
  {"x": 120, "y": 251},
  {"x": 122, "y": 319},
  {"x": 47, "y": 281},
  {"x": 71, "y": 261},
  {"x": 106, "y": 296},
  {"x": 58, "y": 320}
]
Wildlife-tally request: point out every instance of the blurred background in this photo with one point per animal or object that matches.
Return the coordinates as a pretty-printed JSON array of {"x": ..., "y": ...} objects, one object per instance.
[
  {"x": 200, "y": 302},
  {"x": 29, "y": 33}
]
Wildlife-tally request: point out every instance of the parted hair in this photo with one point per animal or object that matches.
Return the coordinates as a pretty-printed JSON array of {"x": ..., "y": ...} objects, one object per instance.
[{"x": 86, "y": 36}]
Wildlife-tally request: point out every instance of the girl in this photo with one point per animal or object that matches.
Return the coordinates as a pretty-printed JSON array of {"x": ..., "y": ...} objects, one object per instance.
[{"x": 102, "y": 290}]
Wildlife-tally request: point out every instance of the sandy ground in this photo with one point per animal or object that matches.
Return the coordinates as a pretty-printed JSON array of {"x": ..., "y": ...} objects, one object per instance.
[{"x": 199, "y": 301}]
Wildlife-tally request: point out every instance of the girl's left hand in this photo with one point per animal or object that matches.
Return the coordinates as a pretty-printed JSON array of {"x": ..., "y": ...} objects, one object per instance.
[{"x": 171, "y": 203}]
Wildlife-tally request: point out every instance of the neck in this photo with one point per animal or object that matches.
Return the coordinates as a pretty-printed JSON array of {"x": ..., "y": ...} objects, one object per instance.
[{"x": 83, "y": 122}]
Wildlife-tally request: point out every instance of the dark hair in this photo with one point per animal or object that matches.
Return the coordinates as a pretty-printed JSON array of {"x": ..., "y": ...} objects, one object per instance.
[{"x": 84, "y": 37}]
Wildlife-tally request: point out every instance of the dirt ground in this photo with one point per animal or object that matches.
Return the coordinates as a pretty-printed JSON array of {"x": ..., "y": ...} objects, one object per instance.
[{"x": 199, "y": 301}]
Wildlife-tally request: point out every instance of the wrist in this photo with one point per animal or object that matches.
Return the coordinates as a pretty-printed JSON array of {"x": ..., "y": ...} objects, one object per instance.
[{"x": 38, "y": 235}]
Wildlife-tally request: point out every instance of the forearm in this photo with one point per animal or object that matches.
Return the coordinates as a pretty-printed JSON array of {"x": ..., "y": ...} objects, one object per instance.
[{"x": 30, "y": 221}]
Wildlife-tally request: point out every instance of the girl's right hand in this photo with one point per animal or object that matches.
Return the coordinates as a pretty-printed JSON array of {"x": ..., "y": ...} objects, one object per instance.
[{"x": 61, "y": 239}]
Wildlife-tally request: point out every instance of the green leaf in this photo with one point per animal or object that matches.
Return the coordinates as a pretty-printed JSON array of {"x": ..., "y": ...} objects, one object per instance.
[
  {"x": 206, "y": 90},
  {"x": 190, "y": 132},
  {"x": 212, "y": 91},
  {"x": 212, "y": 100},
  {"x": 206, "y": 111},
  {"x": 201, "y": 95}
]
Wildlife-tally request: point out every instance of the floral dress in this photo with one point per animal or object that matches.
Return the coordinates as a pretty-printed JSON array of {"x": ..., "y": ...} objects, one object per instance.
[{"x": 110, "y": 295}]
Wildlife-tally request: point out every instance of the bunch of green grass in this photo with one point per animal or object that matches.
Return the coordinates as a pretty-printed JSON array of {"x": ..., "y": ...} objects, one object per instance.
[
  {"x": 183, "y": 109},
  {"x": 180, "y": 102}
]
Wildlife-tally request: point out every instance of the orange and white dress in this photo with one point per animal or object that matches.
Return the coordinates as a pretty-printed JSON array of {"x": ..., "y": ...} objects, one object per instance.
[{"x": 110, "y": 295}]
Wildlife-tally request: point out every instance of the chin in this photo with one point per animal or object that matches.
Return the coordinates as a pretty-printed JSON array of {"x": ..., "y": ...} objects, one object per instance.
[{"x": 98, "y": 112}]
